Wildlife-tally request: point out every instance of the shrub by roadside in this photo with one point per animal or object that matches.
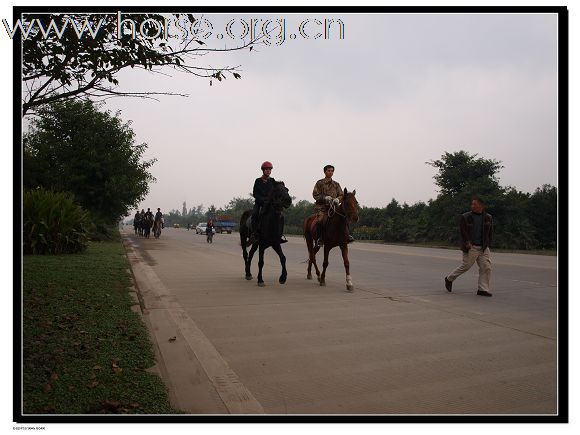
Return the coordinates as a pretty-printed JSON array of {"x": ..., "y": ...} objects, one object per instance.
[
  {"x": 85, "y": 351},
  {"x": 53, "y": 223}
]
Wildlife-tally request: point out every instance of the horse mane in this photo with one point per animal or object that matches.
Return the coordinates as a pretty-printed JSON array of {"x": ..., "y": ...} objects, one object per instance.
[{"x": 277, "y": 185}]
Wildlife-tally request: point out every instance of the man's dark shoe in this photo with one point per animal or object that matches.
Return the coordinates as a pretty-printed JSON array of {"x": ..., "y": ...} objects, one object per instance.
[
  {"x": 319, "y": 243},
  {"x": 484, "y": 293},
  {"x": 350, "y": 239},
  {"x": 448, "y": 284},
  {"x": 251, "y": 239},
  {"x": 283, "y": 239}
]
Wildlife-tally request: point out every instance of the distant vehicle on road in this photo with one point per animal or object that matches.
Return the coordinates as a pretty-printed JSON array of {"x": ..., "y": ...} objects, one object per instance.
[
  {"x": 175, "y": 225},
  {"x": 202, "y": 228},
  {"x": 224, "y": 224}
]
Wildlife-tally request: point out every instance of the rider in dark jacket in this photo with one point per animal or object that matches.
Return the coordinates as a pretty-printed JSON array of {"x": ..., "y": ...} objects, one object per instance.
[{"x": 262, "y": 188}]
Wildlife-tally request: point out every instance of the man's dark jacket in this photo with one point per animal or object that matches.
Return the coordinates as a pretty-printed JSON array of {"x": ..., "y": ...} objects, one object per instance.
[
  {"x": 465, "y": 226},
  {"x": 262, "y": 190}
]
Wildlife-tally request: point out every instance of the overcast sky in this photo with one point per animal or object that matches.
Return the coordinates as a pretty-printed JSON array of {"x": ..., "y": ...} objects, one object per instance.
[
  {"x": 390, "y": 97},
  {"x": 399, "y": 90}
]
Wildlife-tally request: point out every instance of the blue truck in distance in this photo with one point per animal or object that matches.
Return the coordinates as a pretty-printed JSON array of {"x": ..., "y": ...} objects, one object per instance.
[{"x": 224, "y": 224}]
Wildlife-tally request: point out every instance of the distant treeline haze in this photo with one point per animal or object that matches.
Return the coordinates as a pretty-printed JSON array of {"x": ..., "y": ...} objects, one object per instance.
[{"x": 521, "y": 220}]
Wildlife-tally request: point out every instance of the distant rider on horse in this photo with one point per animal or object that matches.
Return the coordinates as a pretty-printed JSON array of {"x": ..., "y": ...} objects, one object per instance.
[
  {"x": 262, "y": 188},
  {"x": 159, "y": 218},
  {"x": 137, "y": 221},
  {"x": 327, "y": 193}
]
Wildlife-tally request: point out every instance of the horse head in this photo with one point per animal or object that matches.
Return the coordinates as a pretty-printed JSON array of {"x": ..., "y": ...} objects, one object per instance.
[
  {"x": 350, "y": 205},
  {"x": 279, "y": 197}
]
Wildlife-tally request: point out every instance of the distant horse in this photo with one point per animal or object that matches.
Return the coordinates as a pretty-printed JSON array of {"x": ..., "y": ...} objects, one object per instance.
[
  {"x": 157, "y": 228},
  {"x": 335, "y": 233},
  {"x": 270, "y": 231},
  {"x": 146, "y": 224},
  {"x": 137, "y": 225}
]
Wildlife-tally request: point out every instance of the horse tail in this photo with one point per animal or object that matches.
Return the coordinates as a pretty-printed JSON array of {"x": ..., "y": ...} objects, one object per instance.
[{"x": 243, "y": 227}]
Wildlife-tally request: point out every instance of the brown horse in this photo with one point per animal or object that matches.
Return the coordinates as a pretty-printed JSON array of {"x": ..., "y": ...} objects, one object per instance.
[{"x": 334, "y": 233}]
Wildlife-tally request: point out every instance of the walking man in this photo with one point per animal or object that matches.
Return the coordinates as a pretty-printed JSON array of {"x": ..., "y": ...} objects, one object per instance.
[{"x": 475, "y": 228}]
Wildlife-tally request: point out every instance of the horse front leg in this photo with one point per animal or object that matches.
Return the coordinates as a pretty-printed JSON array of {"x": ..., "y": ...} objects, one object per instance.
[
  {"x": 246, "y": 264},
  {"x": 260, "y": 266},
  {"x": 324, "y": 265},
  {"x": 249, "y": 261},
  {"x": 284, "y": 274},
  {"x": 344, "y": 250}
]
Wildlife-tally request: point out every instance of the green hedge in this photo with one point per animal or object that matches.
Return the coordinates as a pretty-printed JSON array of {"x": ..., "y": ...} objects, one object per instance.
[{"x": 53, "y": 223}]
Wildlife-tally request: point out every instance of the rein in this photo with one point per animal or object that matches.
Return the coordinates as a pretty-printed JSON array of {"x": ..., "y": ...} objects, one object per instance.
[{"x": 332, "y": 211}]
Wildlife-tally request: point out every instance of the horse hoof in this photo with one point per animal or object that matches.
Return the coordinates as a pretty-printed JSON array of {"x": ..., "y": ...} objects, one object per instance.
[
  {"x": 322, "y": 284},
  {"x": 308, "y": 276},
  {"x": 261, "y": 284},
  {"x": 350, "y": 288},
  {"x": 282, "y": 280},
  {"x": 249, "y": 277}
]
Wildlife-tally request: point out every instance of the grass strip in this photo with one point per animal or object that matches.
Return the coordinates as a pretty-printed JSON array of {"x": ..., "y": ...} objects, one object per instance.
[{"x": 84, "y": 350}]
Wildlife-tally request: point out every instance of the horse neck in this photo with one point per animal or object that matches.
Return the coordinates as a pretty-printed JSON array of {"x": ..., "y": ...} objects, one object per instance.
[
  {"x": 270, "y": 222},
  {"x": 337, "y": 221}
]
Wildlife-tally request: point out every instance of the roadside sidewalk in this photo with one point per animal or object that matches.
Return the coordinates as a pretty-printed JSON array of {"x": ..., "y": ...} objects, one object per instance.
[{"x": 199, "y": 380}]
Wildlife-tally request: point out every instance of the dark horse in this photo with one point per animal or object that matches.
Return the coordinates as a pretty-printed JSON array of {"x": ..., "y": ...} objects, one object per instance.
[
  {"x": 335, "y": 233},
  {"x": 146, "y": 224},
  {"x": 270, "y": 231}
]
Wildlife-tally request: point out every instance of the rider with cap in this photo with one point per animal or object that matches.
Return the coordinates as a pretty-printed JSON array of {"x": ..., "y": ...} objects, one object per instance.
[
  {"x": 262, "y": 188},
  {"x": 326, "y": 193}
]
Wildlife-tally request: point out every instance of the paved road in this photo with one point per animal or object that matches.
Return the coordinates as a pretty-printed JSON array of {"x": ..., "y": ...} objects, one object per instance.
[{"x": 399, "y": 344}]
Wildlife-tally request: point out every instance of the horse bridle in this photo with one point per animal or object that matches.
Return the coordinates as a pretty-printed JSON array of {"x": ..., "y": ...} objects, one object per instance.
[{"x": 333, "y": 210}]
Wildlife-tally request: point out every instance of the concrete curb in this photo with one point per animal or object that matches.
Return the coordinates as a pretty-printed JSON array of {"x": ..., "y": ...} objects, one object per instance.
[{"x": 199, "y": 380}]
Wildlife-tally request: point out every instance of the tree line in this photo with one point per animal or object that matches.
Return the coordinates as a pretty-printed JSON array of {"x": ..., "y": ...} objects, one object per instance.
[
  {"x": 521, "y": 220},
  {"x": 72, "y": 146}
]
